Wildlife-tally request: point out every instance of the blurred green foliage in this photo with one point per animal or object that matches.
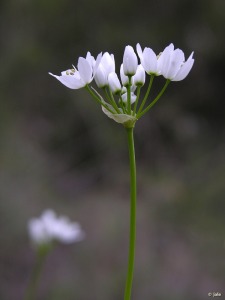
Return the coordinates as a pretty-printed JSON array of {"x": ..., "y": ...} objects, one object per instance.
[{"x": 58, "y": 150}]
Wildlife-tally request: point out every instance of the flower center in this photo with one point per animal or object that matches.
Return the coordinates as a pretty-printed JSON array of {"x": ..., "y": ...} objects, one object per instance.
[{"x": 71, "y": 72}]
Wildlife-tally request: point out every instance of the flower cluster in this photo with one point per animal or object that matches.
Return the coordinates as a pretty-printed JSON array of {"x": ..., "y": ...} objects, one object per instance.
[
  {"x": 121, "y": 96},
  {"x": 48, "y": 228}
]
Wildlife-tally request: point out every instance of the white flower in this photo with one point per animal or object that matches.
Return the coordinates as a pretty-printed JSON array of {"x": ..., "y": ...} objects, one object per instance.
[
  {"x": 106, "y": 66},
  {"x": 114, "y": 83},
  {"x": 132, "y": 88},
  {"x": 133, "y": 97},
  {"x": 108, "y": 62},
  {"x": 124, "y": 78},
  {"x": 139, "y": 77},
  {"x": 48, "y": 227},
  {"x": 130, "y": 61},
  {"x": 172, "y": 63},
  {"x": 185, "y": 68},
  {"x": 83, "y": 75},
  {"x": 148, "y": 60},
  {"x": 101, "y": 77}
]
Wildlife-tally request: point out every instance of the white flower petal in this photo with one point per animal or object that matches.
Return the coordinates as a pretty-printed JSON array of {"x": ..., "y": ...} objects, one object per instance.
[
  {"x": 133, "y": 98},
  {"x": 114, "y": 83},
  {"x": 185, "y": 69},
  {"x": 70, "y": 81},
  {"x": 139, "y": 77},
  {"x": 108, "y": 62},
  {"x": 139, "y": 51},
  {"x": 90, "y": 59},
  {"x": 149, "y": 61},
  {"x": 164, "y": 59},
  {"x": 101, "y": 77},
  {"x": 97, "y": 62},
  {"x": 85, "y": 70},
  {"x": 176, "y": 60},
  {"x": 123, "y": 77}
]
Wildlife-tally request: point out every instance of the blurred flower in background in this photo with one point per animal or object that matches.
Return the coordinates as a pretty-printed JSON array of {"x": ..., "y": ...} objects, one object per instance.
[
  {"x": 49, "y": 228},
  {"x": 44, "y": 232}
]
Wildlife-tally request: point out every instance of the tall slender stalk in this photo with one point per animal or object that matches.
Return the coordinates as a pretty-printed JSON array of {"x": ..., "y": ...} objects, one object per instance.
[
  {"x": 133, "y": 192},
  {"x": 32, "y": 287}
]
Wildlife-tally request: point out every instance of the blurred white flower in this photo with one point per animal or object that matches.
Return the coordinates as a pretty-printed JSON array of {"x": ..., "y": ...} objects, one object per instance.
[
  {"x": 48, "y": 228},
  {"x": 83, "y": 75},
  {"x": 172, "y": 65}
]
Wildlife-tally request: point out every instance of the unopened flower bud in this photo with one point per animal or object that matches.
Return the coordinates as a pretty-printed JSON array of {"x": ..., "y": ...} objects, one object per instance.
[
  {"x": 130, "y": 61},
  {"x": 101, "y": 77},
  {"x": 108, "y": 62},
  {"x": 123, "y": 77},
  {"x": 139, "y": 77},
  {"x": 149, "y": 60},
  {"x": 114, "y": 83}
]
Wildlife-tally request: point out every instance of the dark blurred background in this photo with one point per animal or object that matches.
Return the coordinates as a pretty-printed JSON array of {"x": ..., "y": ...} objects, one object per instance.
[{"x": 58, "y": 150}]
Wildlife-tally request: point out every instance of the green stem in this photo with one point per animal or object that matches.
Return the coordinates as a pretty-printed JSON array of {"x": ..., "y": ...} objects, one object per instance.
[
  {"x": 123, "y": 105},
  {"x": 130, "y": 271},
  {"x": 112, "y": 101},
  {"x": 155, "y": 100},
  {"x": 98, "y": 99},
  {"x": 129, "y": 96},
  {"x": 35, "y": 276},
  {"x": 136, "y": 102},
  {"x": 147, "y": 93}
]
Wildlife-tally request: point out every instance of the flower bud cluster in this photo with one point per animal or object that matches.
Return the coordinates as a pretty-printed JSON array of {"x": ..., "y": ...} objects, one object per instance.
[{"x": 170, "y": 63}]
